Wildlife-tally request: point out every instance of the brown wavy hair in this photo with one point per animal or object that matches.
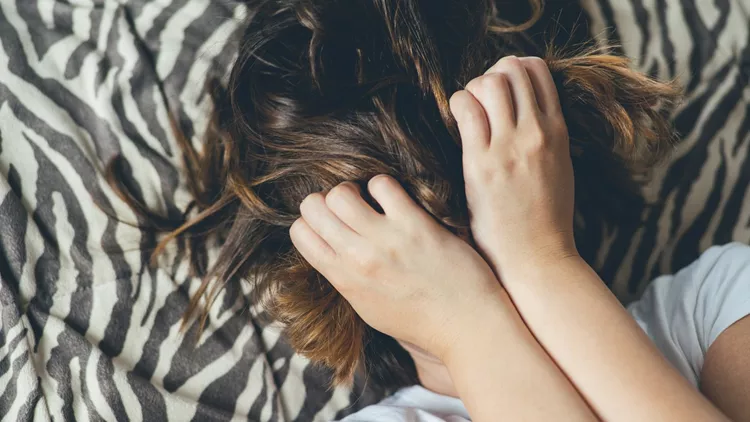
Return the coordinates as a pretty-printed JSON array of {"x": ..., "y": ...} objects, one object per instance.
[{"x": 326, "y": 91}]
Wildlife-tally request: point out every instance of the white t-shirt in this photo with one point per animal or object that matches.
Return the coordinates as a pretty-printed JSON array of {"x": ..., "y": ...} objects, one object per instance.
[{"x": 683, "y": 314}]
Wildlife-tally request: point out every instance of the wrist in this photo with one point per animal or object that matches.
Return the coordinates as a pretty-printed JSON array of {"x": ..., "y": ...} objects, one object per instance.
[{"x": 531, "y": 256}]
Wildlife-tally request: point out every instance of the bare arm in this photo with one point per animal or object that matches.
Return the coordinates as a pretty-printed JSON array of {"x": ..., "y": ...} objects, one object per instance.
[
  {"x": 519, "y": 187},
  {"x": 599, "y": 346},
  {"x": 500, "y": 370},
  {"x": 725, "y": 378}
]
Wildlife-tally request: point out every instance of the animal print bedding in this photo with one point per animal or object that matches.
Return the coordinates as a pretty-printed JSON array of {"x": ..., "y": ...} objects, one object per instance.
[{"x": 88, "y": 331}]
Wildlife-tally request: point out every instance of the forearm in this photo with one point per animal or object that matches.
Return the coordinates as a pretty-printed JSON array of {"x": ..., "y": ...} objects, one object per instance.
[
  {"x": 500, "y": 370},
  {"x": 599, "y": 346}
]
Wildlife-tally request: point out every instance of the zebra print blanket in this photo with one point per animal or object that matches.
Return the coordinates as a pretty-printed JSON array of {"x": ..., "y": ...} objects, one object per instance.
[{"x": 89, "y": 331}]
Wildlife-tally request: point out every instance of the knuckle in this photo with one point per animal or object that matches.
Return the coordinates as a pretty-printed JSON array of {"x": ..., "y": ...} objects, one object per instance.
[
  {"x": 509, "y": 167},
  {"x": 534, "y": 133},
  {"x": 464, "y": 106},
  {"x": 310, "y": 202},
  {"x": 535, "y": 148},
  {"x": 491, "y": 82},
  {"x": 340, "y": 194},
  {"x": 485, "y": 174},
  {"x": 472, "y": 115},
  {"x": 537, "y": 62},
  {"x": 473, "y": 85},
  {"x": 368, "y": 262},
  {"x": 381, "y": 182},
  {"x": 536, "y": 145},
  {"x": 511, "y": 62},
  {"x": 456, "y": 98},
  {"x": 496, "y": 82},
  {"x": 393, "y": 255},
  {"x": 560, "y": 127}
]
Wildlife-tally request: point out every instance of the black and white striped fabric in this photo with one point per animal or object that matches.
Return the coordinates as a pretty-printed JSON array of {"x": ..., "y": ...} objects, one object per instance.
[
  {"x": 89, "y": 331},
  {"x": 700, "y": 194}
]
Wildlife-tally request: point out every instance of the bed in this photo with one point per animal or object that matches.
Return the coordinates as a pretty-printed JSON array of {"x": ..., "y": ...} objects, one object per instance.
[{"x": 89, "y": 331}]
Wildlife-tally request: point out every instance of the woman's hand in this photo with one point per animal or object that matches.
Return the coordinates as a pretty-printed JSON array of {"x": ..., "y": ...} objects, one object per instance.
[
  {"x": 410, "y": 278},
  {"x": 403, "y": 273},
  {"x": 517, "y": 166}
]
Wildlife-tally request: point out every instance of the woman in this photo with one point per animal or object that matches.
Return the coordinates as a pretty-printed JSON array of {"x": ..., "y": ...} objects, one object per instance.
[
  {"x": 327, "y": 91},
  {"x": 576, "y": 354}
]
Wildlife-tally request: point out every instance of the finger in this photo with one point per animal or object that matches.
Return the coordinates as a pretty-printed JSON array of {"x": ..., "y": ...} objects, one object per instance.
[
  {"x": 494, "y": 96},
  {"x": 345, "y": 200},
  {"x": 392, "y": 197},
  {"x": 524, "y": 99},
  {"x": 311, "y": 246},
  {"x": 544, "y": 86},
  {"x": 472, "y": 120},
  {"x": 324, "y": 222}
]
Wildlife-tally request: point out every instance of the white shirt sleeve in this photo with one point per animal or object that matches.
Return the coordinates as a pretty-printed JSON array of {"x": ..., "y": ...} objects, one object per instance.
[
  {"x": 684, "y": 314},
  {"x": 413, "y": 404}
]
